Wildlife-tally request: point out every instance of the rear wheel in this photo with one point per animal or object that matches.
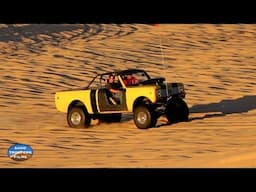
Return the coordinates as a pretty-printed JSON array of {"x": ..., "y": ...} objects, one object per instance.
[
  {"x": 177, "y": 111},
  {"x": 144, "y": 117},
  {"x": 78, "y": 117}
]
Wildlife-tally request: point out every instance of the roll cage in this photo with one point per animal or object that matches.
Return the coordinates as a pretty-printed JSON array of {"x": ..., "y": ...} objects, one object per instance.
[{"x": 100, "y": 79}]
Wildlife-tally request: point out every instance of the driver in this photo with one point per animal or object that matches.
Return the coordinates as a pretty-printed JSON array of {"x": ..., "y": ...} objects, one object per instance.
[{"x": 114, "y": 89}]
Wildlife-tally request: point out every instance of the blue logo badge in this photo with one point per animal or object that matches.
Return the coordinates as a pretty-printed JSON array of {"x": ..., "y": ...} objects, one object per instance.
[{"x": 20, "y": 152}]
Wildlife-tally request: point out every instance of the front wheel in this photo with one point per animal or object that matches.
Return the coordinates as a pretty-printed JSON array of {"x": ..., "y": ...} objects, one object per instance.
[
  {"x": 144, "y": 117},
  {"x": 78, "y": 117},
  {"x": 177, "y": 111}
]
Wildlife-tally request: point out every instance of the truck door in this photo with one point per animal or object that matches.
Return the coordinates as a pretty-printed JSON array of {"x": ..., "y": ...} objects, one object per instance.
[{"x": 107, "y": 103}]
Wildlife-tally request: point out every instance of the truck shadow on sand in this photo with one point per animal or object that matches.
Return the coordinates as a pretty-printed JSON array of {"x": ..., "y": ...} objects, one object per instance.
[
  {"x": 222, "y": 108},
  {"x": 225, "y": 107}
]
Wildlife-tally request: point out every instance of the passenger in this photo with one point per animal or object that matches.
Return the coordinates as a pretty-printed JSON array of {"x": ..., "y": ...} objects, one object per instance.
[{"x": 130, "y": 80}]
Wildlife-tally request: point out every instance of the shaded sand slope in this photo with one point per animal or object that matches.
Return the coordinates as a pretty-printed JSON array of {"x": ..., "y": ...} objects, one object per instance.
[{"x": 215, "y": 62}]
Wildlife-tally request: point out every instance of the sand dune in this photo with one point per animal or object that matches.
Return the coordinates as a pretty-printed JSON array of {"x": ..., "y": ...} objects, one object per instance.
[{"x": 215, "y": 62}]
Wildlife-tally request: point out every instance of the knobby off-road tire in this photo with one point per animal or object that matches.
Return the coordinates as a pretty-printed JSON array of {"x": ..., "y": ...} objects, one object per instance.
[
  {"x": 177, "y": 111},
  {"x": 144, "y": 117},
  {"x": 78, "y": 117}
]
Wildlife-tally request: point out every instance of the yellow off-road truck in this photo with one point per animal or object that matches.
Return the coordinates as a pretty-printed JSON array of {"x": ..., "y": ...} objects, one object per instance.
[{"x": 148, "y": 99}]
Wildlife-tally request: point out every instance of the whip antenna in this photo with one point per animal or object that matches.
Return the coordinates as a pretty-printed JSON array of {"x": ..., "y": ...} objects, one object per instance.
[{"x": 162, "y": 54}]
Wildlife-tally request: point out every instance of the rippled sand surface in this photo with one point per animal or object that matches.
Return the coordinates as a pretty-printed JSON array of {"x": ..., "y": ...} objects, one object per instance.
[{"x": 215, "y": 62}]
